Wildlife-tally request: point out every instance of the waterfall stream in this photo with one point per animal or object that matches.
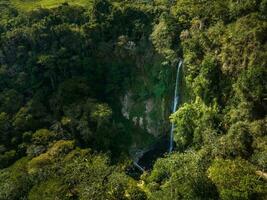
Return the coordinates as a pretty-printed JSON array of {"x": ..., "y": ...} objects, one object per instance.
[
  {"x": 175, "y": 102},
  {"x": 143, "y": 163},
  {"x": 138, "y": 166}
]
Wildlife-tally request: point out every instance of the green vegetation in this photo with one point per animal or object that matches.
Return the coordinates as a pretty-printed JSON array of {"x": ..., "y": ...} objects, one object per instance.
[
  {"x": 28, "y": 5},
  {"x": 83, "y": 83},
  {"x": 224, "y": 117}
]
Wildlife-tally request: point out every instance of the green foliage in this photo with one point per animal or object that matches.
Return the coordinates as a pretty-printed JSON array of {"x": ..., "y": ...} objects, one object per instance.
[
  {"x": 10, "y": 100},
  {"x": 241, "y": 8},
  {"x": 236, "y": 179},
  {"x": 225, "y": 57},
  {"x": 4, "y": 127},
  {"x": 181, "y": 176},
  {"x": 195, "y": 124},
  {"x": 31, "y": 116},
  {"x": 136, "y": 193},
  {"x": 40, "y": 164},
  {"x": 236, "y": 143},
  {"x": 259, "y": 145},
  {"x": 101, "y": 113},
  {"x": 72, "y": 90},
  {"x": 49, "y": 190},
  {"x": 98, "y": 180},
  {"x": 251, "y": 86},
  {"x": 206, "y": 84},
  {"x": 7, "y": 157},
  {"x": 31, "y": 5},
  {"x": 15, "y": 181},
  {"x": 56, "y": 75},
  {"x": 43, "y": 136},
  {"x": 163, "y": 37},
  {"x": 260, "y": 149},
  {"x": 65, "y": 68}
]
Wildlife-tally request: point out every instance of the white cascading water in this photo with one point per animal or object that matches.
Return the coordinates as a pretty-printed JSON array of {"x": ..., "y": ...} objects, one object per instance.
[
  {"x": 138, "y": 166},
  {"x": 175, "y": 102}
]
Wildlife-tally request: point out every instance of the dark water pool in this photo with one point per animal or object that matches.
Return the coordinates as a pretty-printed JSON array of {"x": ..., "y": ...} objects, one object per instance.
[
  {"x": 157, "y": 151},
  {"x": 148, "y": 159}
]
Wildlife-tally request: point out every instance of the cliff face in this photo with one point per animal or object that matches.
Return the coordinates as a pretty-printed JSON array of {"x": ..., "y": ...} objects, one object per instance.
[
  {"x": 147, "y": 102},
  {"x": 143, "y": 117}
]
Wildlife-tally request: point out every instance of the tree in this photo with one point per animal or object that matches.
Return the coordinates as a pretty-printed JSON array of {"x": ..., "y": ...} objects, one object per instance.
[
  {"x": 236, "y": 179},
  {"x": 181, "y": 176},
  {"x": 16, "y": 182}
]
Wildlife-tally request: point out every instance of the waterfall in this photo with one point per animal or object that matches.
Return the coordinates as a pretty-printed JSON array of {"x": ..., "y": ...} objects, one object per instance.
[
  {"x": 139, "y": 167},
  {"x": 174, "y": 108},
  {"x": 175, "y": 102}
]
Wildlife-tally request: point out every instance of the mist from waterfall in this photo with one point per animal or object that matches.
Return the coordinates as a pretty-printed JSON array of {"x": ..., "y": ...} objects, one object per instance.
[{"x": 175, "y": 102}]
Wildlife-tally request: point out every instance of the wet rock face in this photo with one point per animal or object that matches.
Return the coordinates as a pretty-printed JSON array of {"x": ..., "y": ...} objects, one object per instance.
[
  {"x": 141, "y": 118},
  {"x": 126, "y": 102},
  {"x": 151, "y": 127}
]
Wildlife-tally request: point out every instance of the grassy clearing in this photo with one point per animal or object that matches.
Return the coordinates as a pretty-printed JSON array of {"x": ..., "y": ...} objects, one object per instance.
[{"x": 28, "y": 5}]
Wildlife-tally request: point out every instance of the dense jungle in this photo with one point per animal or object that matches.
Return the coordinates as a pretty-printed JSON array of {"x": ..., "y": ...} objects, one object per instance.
[{"x": 133, "y": 99}]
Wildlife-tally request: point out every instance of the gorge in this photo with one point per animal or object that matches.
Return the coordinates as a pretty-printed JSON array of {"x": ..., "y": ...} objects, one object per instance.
[{"x": 133, "y": 100}]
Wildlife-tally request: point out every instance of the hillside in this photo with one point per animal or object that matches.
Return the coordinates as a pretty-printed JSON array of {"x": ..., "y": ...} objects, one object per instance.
[
  {"x": 124, "y": 100},
  {"x": 29, "y": 5}
]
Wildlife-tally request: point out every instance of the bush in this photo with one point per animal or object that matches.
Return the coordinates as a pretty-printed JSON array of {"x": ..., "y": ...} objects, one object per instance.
[
  {"x": 44, "y": 137},
  {"x": 50, "y": 190},
  {"x": 236, "y": 143},
  {"x": 236, "y": 179},
  {"x": 15, "y": 181}
]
